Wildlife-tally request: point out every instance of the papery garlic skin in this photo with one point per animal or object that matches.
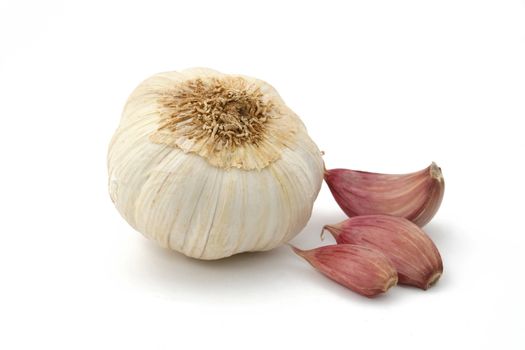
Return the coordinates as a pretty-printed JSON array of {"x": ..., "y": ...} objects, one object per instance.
[
  {"x": 208, "y": 204},
  {"x": 415, "y": 196},
  {"x": 362, "y": 269},
  {"x": 410, "y": 250}
]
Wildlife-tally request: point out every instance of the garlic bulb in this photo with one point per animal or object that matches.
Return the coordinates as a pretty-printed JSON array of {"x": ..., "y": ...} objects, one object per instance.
[{"x": 211, "y": 165}]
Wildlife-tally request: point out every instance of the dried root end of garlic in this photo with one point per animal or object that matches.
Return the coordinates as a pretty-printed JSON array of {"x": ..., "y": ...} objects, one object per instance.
[{"x": 212, "y": 165}]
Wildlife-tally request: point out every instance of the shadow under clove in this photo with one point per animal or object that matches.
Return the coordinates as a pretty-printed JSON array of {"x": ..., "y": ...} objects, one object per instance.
[{"x": 310, "y": 236}]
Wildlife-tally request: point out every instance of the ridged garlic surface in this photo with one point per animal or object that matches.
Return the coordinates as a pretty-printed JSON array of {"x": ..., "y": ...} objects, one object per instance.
[{"x": 211, "y": 165}]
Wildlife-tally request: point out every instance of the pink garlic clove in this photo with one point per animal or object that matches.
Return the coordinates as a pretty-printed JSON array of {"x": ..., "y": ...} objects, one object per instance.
[
  {"x": 415, "y": 196},
  {"x": 361, "y": 269},
  {"x": 410, "y": 250}
]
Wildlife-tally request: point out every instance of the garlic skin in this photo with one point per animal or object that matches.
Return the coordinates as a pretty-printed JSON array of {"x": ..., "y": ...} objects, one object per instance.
[
  {"x": 362, "y": 269},
  {"x": 415, "y": 196},
  {"x": 410, "y": 250},
  {"x": 211, "y": 165}
]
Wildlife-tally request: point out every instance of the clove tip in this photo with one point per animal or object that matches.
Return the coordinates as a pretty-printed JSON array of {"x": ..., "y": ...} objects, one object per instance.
[
  {"x": 432, "y": 280},
  {"x": 435, "y": 172},
  {"x": 322, "y": 232},
  {"x": 392, "y": 282},
  {"x": 335, "y": 230},
  {"x": 296, "y": 250}
]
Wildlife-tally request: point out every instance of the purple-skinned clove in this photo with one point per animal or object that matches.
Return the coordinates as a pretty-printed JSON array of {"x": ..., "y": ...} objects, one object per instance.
[
  {"x": 410, "y": 250},
  {"x": 415, "y": 196},
  {"x": 361, "y": 269}
]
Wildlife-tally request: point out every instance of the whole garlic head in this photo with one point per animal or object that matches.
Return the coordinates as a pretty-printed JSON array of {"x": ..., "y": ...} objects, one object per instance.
[{"x": 211, "y": 165}]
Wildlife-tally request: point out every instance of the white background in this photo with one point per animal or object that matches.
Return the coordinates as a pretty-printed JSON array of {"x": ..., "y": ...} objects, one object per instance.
[{"x": 385, "y": 86}]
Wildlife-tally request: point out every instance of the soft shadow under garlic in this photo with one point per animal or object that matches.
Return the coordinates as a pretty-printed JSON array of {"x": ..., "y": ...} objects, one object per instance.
[
  {"x": 249, "y": 275},
  {"x": 233, "y": 278}
]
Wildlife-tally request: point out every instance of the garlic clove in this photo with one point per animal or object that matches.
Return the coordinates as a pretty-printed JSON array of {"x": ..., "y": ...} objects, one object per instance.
[
  {"x": 414, "y": 196},
  {"x": 411, "y": 251},
  {"x": 361, "y": 269}
]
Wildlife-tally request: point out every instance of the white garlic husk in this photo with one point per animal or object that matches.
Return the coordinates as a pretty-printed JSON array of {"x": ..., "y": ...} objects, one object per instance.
[{"x": 211, "y": 165}]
